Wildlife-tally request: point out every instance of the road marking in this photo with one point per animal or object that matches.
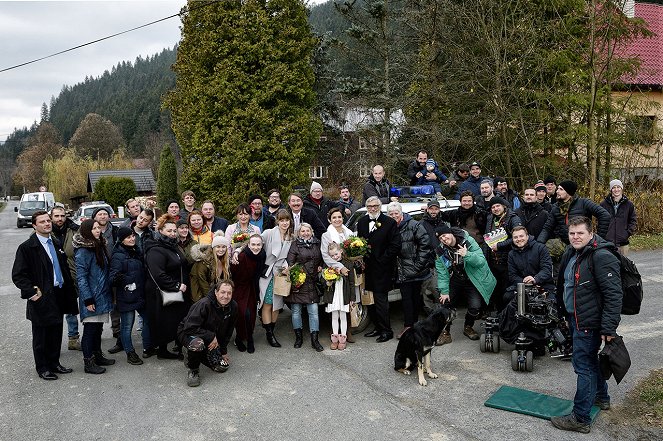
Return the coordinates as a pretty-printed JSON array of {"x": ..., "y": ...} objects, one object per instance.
[
  {"x": 653, "y": 278},
  {"x": 642, "y": 331}
]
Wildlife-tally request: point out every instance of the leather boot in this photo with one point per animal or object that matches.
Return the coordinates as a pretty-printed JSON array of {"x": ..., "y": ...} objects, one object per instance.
[
  {"x": 315, "y": 344},
  {"x": 91, "y": 367},
  {"x": 299, "y": 340},
  {"x": 100, "y": 360},
  {"x": 349, "y": 337},
  {"x": 269, "y": 332},
  {"x": 250, "y": 347},
  {"x": 74, "y": 344},
  {"x": 117, "y": 348}
]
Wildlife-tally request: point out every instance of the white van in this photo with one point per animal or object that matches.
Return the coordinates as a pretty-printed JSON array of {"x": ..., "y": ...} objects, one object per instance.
[{"x": 30, "y": 203}]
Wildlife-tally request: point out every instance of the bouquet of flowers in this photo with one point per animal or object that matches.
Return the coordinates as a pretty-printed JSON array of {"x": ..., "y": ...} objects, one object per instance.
[
  {"x": 330, "y": 275},
  {"x": 239, "y": 239},
  {"x": 355, "y": 248},
  {"x": 297, "y": 275}
]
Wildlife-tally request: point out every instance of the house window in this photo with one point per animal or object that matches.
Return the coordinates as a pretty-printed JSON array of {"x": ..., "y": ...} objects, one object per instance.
[
  {"x": 318, "y": 171},
  {"x": 322, "y": 139},
  {"x": 364, "y": 170},
  {"x": 363, "y": 144}
]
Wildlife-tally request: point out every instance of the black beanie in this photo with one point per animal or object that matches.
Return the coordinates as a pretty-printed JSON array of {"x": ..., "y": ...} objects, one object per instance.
[
  {"x": 569, "y": 186},
  {"x": 497, "y": 200},
  {"x": 443, "y": 228},
  {"x": 123, "y": 233},
  {"x": 181, "y": 222},
  {"x": 94, "y": 213},
  {"x": 549, "y": 180}
]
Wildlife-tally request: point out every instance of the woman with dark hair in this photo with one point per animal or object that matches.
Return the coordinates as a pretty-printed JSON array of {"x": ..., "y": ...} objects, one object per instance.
[
  {"x": 184, "y": 239},
  {"x": 168, "y": 270},
  {"x": 242, "y": 225},
  {"x": 198, "y": 230},
  {"x": 246, "y": 271},
  {"x": 277, "y": 242},
  {"x": 94, "y": 292}
]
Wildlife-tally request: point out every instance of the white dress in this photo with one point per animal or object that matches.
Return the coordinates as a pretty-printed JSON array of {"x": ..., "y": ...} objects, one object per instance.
[{"x": 337, "y": 302}]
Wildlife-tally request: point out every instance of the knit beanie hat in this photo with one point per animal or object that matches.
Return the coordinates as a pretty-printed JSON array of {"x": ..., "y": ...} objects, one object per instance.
[
  {"x": 123, "y": 233},
  {"x": 497, "y": 200},
  {"x": 616, "y": 182},
  {"x": 94, "y": 213},
  {"x": 443, "y": 228},
  {"x": 315, "y": 186},
  {"x": 220, "y": 240},
  {"x": 181, "y": 222},
  {"x": 569, "y": 186},
  {"x": 549, "y": 180}
]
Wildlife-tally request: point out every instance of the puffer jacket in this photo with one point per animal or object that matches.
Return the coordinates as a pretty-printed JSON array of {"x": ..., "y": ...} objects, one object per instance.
[
  {"x": 509, "y": 221},
  {"x": 557, "y": 223},
  {"x": 380, "y": 189},
  {"x": 308, "y": 255},
  {"x": 94, "y": 285},
  {"x": 202, "y": 271},
  {"x": 533, "y": 216},
  {"x": 597, "y": 292},
  {"x": 208, "y": 319},
  {"x": 531, "y": 260},
  {"x": 430, "y": 224},
  {"x": 416, "y": 254},
  {"x": 126, "y": 268},
  {"x": 471, "y": 183},
  {"x": 623, "y": 221}
]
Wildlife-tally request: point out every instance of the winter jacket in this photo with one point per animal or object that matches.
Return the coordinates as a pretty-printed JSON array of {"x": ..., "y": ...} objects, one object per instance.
[
  {"x": 430, "y": 224},
  {"x": 557, "y": 223},
  {"x": 65, "y": 236},
  {"x": 264, "y": 222},
  {"x": 94, "y": 283},
  {"x": 204, "y": 236},
  {"x": 351, "y": 204},
  {"x": 219, "y": 224},
  {"x": 531, "y": 260},
  {"x": 623, "y": 221},
  {"x": 474, "y": 265},
  {"x": 509, "y": 221},
  {"x": 512, "y": 198},
  {"x": 33, "y": 267},
  {"x": 416, "y": 254},
  {"x": 415, "y": 168},
  {"x": 472, "y": 220},
  {"x": 597, "y": 292},
  {"x": 322, "y": 209},
  {"x": 127, "y": 268},
  {"x": 309, "y": 257},
  {"x": 202, "y": 271},
  {"x": 471, "y": 183},
  {"x": 380, "y": 189},
  {"x": 208, "y": 319},
  {"x": 533, "y": 216},
  {"x": 348, "y": 285},
  {"x": 385, "y": 243}
]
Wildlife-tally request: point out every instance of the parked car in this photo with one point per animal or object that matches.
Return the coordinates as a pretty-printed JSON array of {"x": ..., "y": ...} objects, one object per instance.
[
  {"x": 31, "y": 203},
  {"x": 414, "y": 209},
  {"x": 85, "y": 211}
]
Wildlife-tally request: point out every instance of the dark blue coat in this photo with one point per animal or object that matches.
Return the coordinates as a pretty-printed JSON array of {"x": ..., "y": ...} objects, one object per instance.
[
  {"x": 531, "y": 260},
  {"x": 471, "y": 183},
  {"x": 93, "y": 283},
  {"x": 126, "y": 268}
]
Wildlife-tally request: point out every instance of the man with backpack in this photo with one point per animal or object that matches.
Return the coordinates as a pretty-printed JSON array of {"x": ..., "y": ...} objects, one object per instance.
[{"x": 589, "y": 295}]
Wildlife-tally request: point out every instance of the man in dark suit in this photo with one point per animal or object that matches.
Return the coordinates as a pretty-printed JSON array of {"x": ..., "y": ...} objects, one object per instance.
[
  {"x": 301, "y": 214},
  {"x": 41, "y": 273},
  {"x": 382, "y": 235}
]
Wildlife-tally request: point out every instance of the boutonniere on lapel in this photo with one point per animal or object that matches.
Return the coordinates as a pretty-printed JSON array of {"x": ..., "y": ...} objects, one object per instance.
[{"x": 378, "y": 225}]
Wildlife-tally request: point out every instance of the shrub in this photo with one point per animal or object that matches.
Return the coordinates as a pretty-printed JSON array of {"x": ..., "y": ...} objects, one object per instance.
[{"x": 114, "y": 190}]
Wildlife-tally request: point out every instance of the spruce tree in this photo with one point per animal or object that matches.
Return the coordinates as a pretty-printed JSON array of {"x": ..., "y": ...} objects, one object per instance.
[
  {"x": 243, "y": 104},
  {"x": 167, "y": 179}
]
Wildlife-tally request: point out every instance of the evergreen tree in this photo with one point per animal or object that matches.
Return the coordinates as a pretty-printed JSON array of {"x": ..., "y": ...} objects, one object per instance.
[
  {"x": 44, "y": 113},
  {"x": 167, "y": 179},
  {"x": 243, "y": 105},
  {"x": 115, "y": 190}
]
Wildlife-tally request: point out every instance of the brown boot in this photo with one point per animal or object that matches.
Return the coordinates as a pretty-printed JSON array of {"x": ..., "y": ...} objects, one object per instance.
[
  {"x": 74, "y": 344},
  {"x": 470, "y": 333},
  {"x": 349, "y": 337}
]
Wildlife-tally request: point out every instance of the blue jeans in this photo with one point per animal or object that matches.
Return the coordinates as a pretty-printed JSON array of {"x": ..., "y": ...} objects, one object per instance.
[
  {"x": 590, "y": 384},
  {"x": 72, "y": 325},
  {"x": 313, "y": 321},
  {"x": 127, "y": 324}
]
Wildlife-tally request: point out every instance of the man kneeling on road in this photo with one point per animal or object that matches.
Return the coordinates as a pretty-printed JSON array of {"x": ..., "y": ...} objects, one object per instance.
[
  {"x": 589, "y": 291},
  {"x": 206, "y": 330}
]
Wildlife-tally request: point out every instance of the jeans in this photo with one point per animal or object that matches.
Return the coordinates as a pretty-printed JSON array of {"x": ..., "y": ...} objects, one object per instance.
[
  {"x": 313, "y": 321},
  {"x": 126, "y": 326},
  {"x": 72, "y": 325},
  {"x": 590, "y": 384},
  {"x": 91, "y": 340}
]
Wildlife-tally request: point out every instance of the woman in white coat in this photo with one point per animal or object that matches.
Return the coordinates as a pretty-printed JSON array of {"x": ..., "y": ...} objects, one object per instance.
[{"x": 277, "y": 242}]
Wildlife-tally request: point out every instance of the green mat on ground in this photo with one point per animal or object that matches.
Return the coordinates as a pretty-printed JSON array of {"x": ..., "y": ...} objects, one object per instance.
[{"x": 531, "y": 403}]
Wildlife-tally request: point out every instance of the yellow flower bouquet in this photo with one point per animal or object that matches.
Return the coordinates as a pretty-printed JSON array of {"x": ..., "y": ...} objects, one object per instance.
[
  {"x": 297, "y": 275},
  {"x": 330, "y": 275}
]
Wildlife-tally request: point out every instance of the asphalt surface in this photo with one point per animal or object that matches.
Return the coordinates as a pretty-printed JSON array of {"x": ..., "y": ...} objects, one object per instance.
[{"x": 296, "y": 394}]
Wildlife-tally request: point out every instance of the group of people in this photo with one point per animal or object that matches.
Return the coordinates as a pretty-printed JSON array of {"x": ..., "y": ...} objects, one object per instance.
[{"x": 195, "y": 279}]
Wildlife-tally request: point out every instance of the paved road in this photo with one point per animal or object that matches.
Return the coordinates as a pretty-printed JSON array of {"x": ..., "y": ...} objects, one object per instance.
[{"x": 281, "y": 394}]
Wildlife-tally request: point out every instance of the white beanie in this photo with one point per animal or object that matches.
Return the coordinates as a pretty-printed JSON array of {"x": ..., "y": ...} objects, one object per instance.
[
  {"x": 315, "y": 186},
  {"x": 616, "y": 182},
  {"x": 220, "y": 240}
]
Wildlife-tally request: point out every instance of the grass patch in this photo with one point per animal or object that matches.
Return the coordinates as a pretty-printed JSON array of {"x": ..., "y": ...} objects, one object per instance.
[
  {"x": 643, "y": 406},
  {"x": 646, "y": 242}
]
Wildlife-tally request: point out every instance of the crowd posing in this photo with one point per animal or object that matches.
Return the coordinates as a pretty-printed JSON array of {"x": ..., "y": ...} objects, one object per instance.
[{"x": 196, "y": 279}]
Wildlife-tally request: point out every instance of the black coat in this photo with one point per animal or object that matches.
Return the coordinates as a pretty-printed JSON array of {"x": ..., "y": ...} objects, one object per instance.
[
  {"x": 472, "y": 220},
  {"x": 385, "y": 243},
  {"x": 33, "y": 267},
  {"x": 321, "y": 210},
  {"x": 416, "y": 255},
  {"x": 509, "y": 221},
  {"x": 127, "y": 267},
  {"x": 430, "y": 224},
  {"x": 597, "y": 292},
  {"x": 208, "y": 319},
  {"x": 373, "y": 188},
  {"x": 307, "y": 215},
  {"x": 531, "y": 260},
  {"x": 533, "y": 216},
  {"x": 310, "y": 259},
  {"x": 623, "y": 221},
  {"x": 557, "y": 223}
]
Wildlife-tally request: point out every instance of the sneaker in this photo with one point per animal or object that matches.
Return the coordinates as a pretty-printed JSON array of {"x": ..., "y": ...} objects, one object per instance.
[
  {"x": 193, "y": 379},
  {"x": 443, "y": 339},
  {"x": 133, "y": 358},
  {"x": 74, "y": 344},
  {"x": 569, "y": 422},
  {"x": 147, "y": 353},
  {"x": 470, "y": 333},
  {"x": 221, "y": 366},
  {"x": 603, "y": 405}
]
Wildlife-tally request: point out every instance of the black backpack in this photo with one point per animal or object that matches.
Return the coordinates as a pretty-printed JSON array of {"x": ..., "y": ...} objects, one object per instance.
[{"x": 631, "y": 284}]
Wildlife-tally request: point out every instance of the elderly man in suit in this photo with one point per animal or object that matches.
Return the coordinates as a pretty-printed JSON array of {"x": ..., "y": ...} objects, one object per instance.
[
  {"x": 382, "y": 235},
  {"x": 41, "y": 273}
]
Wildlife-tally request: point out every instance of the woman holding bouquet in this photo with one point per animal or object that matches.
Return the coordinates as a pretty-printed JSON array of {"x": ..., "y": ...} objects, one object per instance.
[
  {"x": 238, "y": 233},
  {"x": 305, "y": 251},
  {"x": 277, "y": 242}
]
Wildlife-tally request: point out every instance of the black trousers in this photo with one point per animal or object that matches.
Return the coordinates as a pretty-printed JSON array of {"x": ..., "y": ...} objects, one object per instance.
[
  {"x": 463, "y": 287},
  {"x": 501, "y": 273},
  {"x": 46, "y": 344},
  {"x": 412, "y": 301},
  {"x": 379, "y": 312}
]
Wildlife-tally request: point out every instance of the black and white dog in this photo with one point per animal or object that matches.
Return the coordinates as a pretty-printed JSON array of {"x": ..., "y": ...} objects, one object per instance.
[{"x": 417, "y": 342}]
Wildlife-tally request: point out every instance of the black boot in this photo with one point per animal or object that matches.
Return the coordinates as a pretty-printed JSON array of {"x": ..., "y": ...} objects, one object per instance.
[
  {"x": 117, "y": 348},
  {"x": 241, "y": 347},
  {"x": 164, "y": 354},
  {"x": 250, "y": 347},
  {"x": 100, "y": 360},
  {"x": 315, "y": 343},
  {"x": 271, "y": 338},
  {"x": 299, "y": 340},
  {"x": 91, "y": 367}
]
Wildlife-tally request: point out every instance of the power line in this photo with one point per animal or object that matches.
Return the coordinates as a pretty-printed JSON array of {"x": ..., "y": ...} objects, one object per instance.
[{"x": 103, "y": 38}]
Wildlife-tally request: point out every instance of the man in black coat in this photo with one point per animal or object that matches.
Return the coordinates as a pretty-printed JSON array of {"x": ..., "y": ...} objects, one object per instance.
[
  {"x": 383, "y": 237},
  {"x": 377, "y": 185},
  {"x": 301, "y": 214},
  {"x": 623, "y": 221},
  {"x": 589, "y": 295},
  {"x": 41, "y": 273},
  {"x": 206, "y": 331},
  {"x": 531, "y": 213}
]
